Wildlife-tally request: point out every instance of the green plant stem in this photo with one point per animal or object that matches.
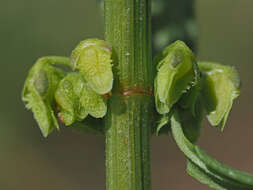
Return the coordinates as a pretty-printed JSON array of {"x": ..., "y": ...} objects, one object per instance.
[{"x": 129, "y": 119}]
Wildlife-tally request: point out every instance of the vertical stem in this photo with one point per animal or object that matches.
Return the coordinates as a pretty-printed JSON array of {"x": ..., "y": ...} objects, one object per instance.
[{"x": 129, "y": 118}]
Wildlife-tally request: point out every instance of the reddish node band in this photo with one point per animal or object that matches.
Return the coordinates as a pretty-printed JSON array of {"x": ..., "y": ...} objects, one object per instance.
[
  {"x": 107, "y": 95},
  {"x": 130, "y": 92}
]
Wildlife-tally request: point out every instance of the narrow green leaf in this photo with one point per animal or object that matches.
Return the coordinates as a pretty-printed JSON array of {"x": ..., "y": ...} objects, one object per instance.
[
  {"x": 93, "y": 58},
  {"x": 194, "y": 171},
  {"x": 221, "y": 87},
  {"x": 206, "y": 169},
  {"x": 224, "y": 170},
  {"x": 213, "y": 181}
]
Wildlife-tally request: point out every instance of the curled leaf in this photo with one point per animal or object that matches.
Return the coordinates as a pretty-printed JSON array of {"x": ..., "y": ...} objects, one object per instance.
[
  {"x": 39, "y": 88},
  {"x": 206, "y": 169},
  {"x": 92, "y": 58},
  {"x": 220, "y": 88},
  {"x": 177, "y": 72},
  {"x": 67, "y": 97},
  {"x": 224, "y": 170}
]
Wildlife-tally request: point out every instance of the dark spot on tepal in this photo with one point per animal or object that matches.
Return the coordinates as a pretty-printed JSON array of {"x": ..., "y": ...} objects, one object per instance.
[{"x": 177, "y": 58}]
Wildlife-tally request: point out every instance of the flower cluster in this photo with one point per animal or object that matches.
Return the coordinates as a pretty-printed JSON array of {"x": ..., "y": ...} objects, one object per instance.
[{"x": 71, "y": 87}]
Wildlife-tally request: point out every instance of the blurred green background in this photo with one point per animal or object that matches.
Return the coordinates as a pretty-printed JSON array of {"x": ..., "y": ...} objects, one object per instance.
[{"x": 70, "y": 161}]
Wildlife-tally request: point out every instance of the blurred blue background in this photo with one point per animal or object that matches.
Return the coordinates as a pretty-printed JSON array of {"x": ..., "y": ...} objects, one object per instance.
[{"x": 33, "y": 28}]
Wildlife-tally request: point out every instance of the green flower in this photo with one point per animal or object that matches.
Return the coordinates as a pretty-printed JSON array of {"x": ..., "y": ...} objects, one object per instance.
[
  {"x": 92, "y": 58},
  {"x": 177, "y": 72},
  {"x": 221, "y": 87},
  {"x": 67, "y": 97},
  {"x": 76, "y": 100},
  {"x": 39, "y": 88}
]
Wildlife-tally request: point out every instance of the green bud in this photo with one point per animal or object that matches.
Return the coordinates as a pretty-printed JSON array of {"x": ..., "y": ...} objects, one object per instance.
[
  {"x": 67, "y": 97},
  {"x": 221, "y": 87},
  {"x": 39, "y": 88},
  {"x": 177, "y": 72},
  {"x": 92, "y": 58}
]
